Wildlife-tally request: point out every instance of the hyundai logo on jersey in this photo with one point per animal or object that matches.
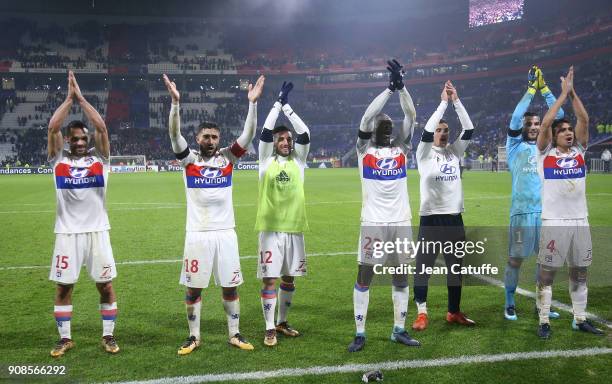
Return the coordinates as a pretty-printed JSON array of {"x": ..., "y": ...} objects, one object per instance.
[
  {"x": 77, "y": 173},
  {"x": 567, "y": 163},
  {"x": 67, "y": 177},
  {"x": 447, "y": 169},
  {"x": 532, "y": 160},
  {"x": 387, "y": 168},
  {"x": 387, "y": 163},
  {"x": 564, "y": 167},
  {"x": 210, "y": 173},
  {"x": 201, "y": 176}
]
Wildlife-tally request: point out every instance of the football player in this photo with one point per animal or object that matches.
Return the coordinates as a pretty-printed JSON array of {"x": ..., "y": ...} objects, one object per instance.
[
  {"x": 81, "y": 224},
  {"x": 211, "y": 245},
  {"x": 385, "y": 211},
  {"x": 281, "y": 213},
  {"x": 526, "y": 208},
  {"x": 565, "y": 235}
]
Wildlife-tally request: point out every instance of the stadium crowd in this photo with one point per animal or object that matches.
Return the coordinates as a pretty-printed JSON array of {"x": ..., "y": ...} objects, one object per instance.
[{"x": 333, "y": 114}]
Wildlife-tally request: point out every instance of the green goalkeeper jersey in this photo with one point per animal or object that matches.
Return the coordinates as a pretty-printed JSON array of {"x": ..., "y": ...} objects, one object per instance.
[{"x": 281, "y": 206}]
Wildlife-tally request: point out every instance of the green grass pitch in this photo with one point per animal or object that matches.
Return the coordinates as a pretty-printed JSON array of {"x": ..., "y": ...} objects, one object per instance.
[{"x": 147, "y": 214}]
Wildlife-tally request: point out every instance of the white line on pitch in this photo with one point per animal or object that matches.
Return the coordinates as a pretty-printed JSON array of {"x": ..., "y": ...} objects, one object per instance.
[
  {"x": 176, "y": 206},
  {"x": 554, "y": 303},
  {"x": 487, "y": 279},
  {"x": 169, "y": 261},
  {"x": 384, "y": 366}
]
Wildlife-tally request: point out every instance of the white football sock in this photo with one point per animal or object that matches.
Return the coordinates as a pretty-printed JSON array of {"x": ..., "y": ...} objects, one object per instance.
[
  {"x": 268, "y": 305},
  {"x": 63, "y": 316},
  {"x": 400, "y": 306},
  {"x": 361, "y": 299},
  {"x": 109, "y": 314}
]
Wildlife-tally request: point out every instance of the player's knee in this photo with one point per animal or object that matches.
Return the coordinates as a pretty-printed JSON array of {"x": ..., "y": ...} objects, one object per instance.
[
  {"x": 545, "y": 277},
  {"x": 365, "y": 273},
  {"x": 105, "y": 289},
  {"x": 578, "y": 275},
  {"x": 64, "y": 291},
  {"x": 229, "y": 293},
  {"x": 515, "y": 262},
  {"x": 400, "y": 281},
  {"x": 287, "y": 279},
  {"x": 269, "y": 282},
  {"x": 194, "y": 291}
]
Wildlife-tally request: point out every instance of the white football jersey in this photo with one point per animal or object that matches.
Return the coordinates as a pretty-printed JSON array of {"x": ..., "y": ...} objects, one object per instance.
[
  {"x": 208, "y": 182},
  {"x": 80, "y": 189},
  {"x": 440, "y": 186},
  {"x": 563, "y": 178},
  {"x": 383, "y": 184}
]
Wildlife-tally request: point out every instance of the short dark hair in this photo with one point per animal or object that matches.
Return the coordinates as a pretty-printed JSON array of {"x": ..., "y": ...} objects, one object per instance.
[
  {"x": 75, "y": 124},
  {"x": 530, "y": 114},
  {"x": 442, "y": 121},
  {"x": 279, "y": 129},
  {"x": 207, "y": 125}
]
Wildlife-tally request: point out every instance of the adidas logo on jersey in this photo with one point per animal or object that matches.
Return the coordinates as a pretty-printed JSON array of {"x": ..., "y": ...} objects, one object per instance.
[{"x": 283, "y": 178}]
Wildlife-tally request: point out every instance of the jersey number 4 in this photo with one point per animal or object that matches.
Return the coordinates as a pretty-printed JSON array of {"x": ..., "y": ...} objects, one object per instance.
[{"x": 551, "y": 246}]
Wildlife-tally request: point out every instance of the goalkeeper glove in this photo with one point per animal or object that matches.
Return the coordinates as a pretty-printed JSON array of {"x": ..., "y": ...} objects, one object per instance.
[
  {"x": 283, "y": 95},
  {"x": 541, "y": 84},
  {"x": 532, "y": 80},
  {"x": 396, "y": 75}
]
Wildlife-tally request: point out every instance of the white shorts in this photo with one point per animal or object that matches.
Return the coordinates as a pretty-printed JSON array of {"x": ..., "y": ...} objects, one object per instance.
[
  {"x": 373, "y": 234},
  {"x": 211, "y": 252},
  {"x": 564, "y": 240},
  {"x": 73, "y": 250},
  {"x": 281, "y": 254}
]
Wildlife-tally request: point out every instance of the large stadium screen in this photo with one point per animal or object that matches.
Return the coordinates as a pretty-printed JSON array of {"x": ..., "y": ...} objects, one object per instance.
[{"x": 484, "y": 12}]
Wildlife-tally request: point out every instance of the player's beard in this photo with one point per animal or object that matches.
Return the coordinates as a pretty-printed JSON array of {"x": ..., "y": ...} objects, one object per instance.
[
  {"x": 208, "y": 150},
  {"x": 78, "y": 150},
  {"x": 527, "y": 133},
  {"x": 284, "y": 152},
  {"x": 382, "y": 135}
]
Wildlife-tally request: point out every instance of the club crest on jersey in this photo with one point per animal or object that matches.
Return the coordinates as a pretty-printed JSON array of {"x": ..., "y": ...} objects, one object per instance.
[
  {"x": 564, "y": 167},
  {"x": 386, "y": 168},
  {"x": 69, "y": 177},
  {"x": 200, "y": 176}
]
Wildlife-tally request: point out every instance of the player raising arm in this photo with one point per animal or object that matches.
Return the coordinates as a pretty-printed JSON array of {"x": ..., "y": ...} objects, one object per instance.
[
  {"x": 565, "y": 235},
  {"x": 385, "y": 212},
  {"x": 211, "y": 245},
  {"x": 81, "y": 224},
  {"x": 526, "y": 208},
  {"x": 441, "y": 204},
  {"x": 281, "y": 213}
]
